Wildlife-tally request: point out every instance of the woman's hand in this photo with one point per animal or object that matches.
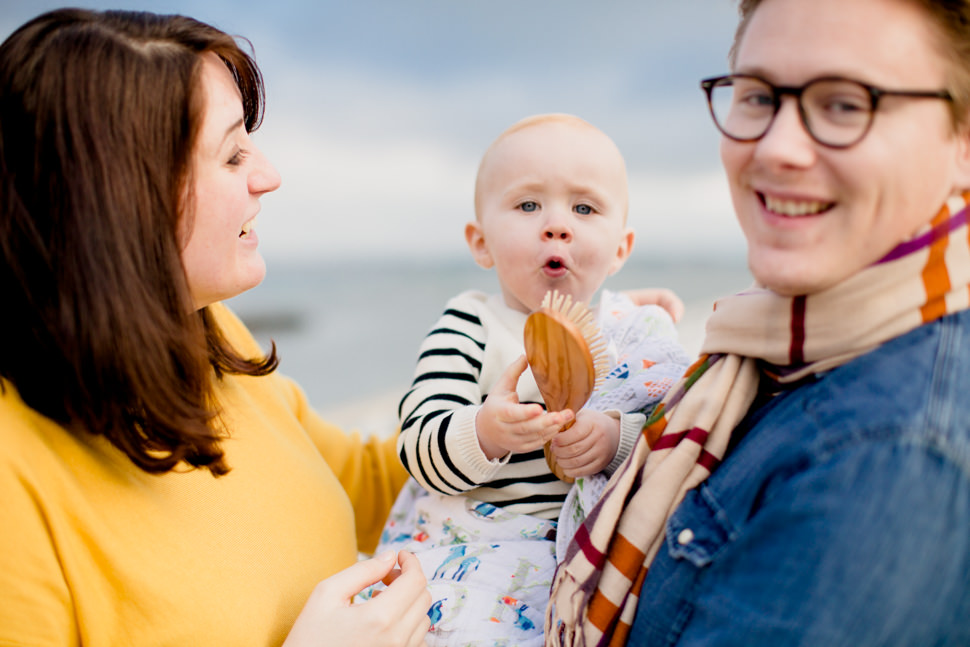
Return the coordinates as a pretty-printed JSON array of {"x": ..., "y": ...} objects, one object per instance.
[{"x": 398, "y": 617}]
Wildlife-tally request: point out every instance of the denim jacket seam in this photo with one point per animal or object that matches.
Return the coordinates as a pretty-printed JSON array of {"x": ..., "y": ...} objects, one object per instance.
[
  {"x": 940, "y": 444},
  {"x": 942, "y": 427},
  {"x": 721, "y": 517}
]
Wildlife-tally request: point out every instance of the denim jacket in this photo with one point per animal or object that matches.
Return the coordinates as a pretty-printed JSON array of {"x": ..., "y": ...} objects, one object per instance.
[{"x": 841, "y": 515}]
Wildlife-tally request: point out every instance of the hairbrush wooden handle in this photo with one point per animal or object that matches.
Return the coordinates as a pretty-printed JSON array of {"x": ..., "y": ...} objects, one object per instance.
[
  {"x": 560, "y": 360},
  {"x": 562, "y": 365}
]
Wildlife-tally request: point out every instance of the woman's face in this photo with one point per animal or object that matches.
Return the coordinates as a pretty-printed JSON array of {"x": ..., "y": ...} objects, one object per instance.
[
  {"x": 228, "y": 176},
  {"x": 813, "y": 216}
]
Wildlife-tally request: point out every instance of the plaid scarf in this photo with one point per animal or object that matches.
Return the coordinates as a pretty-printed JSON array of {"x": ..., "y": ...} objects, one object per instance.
[{"x": 595, "y": 592}]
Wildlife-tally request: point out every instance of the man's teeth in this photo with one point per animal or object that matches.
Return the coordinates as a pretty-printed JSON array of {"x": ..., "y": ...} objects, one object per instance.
[
  {"x": 795, "y": 207},
  {"x": 247, "y": 226}
]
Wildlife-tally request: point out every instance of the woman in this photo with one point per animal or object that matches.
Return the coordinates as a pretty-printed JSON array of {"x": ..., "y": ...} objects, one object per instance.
[
  {"x": 161, "y": 484},
  {"x": 809, "y": 481}
]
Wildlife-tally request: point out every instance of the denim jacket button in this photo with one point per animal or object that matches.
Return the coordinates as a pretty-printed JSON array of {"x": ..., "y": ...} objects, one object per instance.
[{"x": 685, "y": 536}]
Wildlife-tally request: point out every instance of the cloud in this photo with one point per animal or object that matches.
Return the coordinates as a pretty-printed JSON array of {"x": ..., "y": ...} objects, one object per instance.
[
  {"x": 373, "y": 165},
  {"x": 350, "y": 195},
  {"x": 683, "y": 215},
  {"x": 343, "y": 197},
  {"x": 378, "y": 111}
]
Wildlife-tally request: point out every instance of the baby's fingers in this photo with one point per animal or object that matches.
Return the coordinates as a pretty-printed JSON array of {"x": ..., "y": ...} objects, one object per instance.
[
  {"x": 513, "y": 413},
  {"x": 545, "y": 427},
  {"x": 509, "y": 378}
]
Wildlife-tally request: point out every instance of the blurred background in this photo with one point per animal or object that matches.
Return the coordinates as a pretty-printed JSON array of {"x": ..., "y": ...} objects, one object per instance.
[{"x": 378, "y": 112}]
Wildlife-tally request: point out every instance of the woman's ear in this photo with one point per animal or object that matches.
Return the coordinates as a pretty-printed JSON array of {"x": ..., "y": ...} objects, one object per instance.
[{"x": 475, "y": 238}]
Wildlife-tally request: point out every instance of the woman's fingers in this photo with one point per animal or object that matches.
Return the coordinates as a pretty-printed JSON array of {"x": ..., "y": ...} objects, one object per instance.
[
  {"x": 407, "y": 599},
  {"x": 408, "y": 588},
  {"x": 352, "y": 580}
]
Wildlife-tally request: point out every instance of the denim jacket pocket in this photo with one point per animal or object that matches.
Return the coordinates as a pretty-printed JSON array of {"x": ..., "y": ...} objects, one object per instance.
[{"x": 699, "y": 528}]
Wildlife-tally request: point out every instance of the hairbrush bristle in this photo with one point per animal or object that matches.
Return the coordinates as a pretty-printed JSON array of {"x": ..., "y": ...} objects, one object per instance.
[{"x": 580, "y": 315}]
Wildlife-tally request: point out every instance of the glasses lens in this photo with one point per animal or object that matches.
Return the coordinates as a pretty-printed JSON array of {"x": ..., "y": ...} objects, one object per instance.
[
  {"x": 837, "y": 112},
  {"x": 742, "y": 106}
]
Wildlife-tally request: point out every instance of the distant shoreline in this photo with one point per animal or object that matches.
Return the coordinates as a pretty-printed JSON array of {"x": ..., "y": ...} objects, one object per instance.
[
  {"x": 376, "y": 414},
  {"x": 349, "y": 333}
]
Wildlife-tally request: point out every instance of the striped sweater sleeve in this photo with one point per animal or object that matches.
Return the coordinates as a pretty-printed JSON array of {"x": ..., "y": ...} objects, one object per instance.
[{"x": 438, "y": 444}]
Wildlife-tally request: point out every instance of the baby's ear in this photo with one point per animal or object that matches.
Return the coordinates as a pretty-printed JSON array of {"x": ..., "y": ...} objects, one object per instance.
[
  {"x": 475, "y": 238},
  {"x": 623, "y": 250}
]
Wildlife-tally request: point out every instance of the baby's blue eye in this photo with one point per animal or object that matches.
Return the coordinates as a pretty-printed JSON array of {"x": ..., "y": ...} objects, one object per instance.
[
  {"x": 583, "y": 209},
  {"x": 528, "y": 206}
]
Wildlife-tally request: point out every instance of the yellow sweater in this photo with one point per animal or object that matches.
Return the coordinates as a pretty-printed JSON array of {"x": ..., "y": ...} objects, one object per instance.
[{"x": 94, "y": 551}]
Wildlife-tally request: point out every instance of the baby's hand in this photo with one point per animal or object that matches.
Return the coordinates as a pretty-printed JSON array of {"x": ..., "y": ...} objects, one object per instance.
[
  {"x": 505, "y": 425},
  {"x": 589, "y": 445},
  {"x": 666, "y": 299}
]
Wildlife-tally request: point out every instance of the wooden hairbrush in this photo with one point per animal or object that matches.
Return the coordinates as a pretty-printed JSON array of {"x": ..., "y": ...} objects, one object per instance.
[{"x": 567, "y": 355}]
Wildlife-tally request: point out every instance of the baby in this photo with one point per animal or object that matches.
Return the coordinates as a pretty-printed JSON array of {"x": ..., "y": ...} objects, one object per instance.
[{"x": 551, "y": 210}]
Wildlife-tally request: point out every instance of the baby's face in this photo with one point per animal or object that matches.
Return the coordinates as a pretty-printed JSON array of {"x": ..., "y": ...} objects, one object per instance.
[{"x": 552, "y": 206}]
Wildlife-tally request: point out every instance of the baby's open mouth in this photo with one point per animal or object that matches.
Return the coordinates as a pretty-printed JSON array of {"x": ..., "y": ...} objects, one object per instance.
[{"x": 555, "y": 267}]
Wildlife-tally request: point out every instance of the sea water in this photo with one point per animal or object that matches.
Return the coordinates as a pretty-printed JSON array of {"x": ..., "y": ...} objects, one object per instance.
[{"x": 349, "y": 332}]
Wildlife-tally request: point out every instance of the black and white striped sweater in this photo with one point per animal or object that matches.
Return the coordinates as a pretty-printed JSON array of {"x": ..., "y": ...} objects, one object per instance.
[{"x": 463, "y": 355}]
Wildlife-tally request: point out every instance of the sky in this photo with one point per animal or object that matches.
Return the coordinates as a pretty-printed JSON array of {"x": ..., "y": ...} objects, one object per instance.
[{"x": 378, "y": 111}]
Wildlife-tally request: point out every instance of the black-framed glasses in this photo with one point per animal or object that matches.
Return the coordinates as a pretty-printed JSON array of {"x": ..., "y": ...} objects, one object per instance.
[{"x": 836, "y": 112}]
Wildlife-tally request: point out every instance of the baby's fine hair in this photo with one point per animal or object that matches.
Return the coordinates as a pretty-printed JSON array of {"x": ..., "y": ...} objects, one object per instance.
[{"x": 522, "y": 124}]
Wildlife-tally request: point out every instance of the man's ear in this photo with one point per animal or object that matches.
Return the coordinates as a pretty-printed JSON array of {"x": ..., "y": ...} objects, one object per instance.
[
  {"x": 962, "y": 180},
  {"x": 475, "y": 238},
  {"x": 623, "y": 250}
]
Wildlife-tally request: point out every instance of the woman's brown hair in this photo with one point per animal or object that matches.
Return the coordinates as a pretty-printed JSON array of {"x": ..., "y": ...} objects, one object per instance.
[{"x": 99, "y": 112}]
